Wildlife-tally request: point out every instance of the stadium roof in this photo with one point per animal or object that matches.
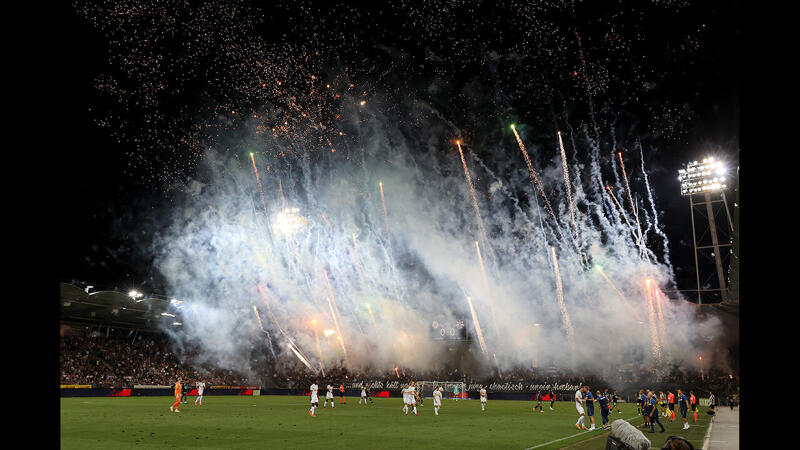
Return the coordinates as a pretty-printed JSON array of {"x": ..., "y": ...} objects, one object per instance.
[{"x": 116, "y": 309}]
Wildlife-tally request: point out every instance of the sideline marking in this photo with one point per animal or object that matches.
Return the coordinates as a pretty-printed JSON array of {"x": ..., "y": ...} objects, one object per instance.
[{"x": 568, "y": 437}]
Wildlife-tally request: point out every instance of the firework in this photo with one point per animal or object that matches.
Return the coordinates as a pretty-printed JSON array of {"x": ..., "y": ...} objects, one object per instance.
[
  {"x": 486, "y": 285},
  {"x": 653, "y": 325},
  {"x": 472, "y": 194},
  {"x": 534, "y": 178},
  {"x": 561, "y": 305},
  {"x": 477, "y": 328},
  {"x": 385, "y": 213},
  {"x": 627, "y": 303},
  {"x": 258, "y": 179},
  {"x": 634, "y": 212}
]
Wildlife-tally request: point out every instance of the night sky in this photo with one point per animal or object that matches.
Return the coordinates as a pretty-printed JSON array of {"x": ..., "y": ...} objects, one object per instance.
[{"x": 141, "y": 80}]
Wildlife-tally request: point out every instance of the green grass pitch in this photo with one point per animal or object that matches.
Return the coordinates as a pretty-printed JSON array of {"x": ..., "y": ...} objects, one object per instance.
[{"x": 283, "y": 422}]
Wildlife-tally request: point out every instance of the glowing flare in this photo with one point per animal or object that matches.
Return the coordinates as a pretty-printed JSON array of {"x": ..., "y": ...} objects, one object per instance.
[
  {"x": 534, "y": 178},
  {"x": 561, "y": 305},
  {"x": 472, "y": 194},
  {"x": 477, "y": 327}
]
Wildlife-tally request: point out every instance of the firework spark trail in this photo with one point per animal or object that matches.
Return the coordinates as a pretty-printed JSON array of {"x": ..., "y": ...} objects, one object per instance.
[
  {"x": 334, "y": 311},
  {"x": 535, "y": 178},
  {"x": 300, "y": 357},
  {"x": 624, "y": 216},
  {"x": 561, "y": 305},
  {"x": 661, "y": 327},
  {"x": 385, "y": 213},
  {"x": 497, "y": 366},
  {"x": 319, "y": 347},
  {"x": 258, "y": 179},
  {"x": 478, "y": 330},
  {"x": 261, "y": 325},
  {"x": 627, "y": 303},
  {"x": 290, "y": 341},
  {"x": 489, "y": 299},
  {"x": 570, "y": 203},
  {"x": 372, "y": 318},
  {"x": 473, "y": 195},
  {"x": 653, "y": 325},
  {"x": 634, "y": 212},
  {"x": 653, "y": 209}
]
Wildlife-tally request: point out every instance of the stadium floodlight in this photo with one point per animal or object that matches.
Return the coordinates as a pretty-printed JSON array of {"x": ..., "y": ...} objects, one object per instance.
[
  {"x": 289, "y": 221},
  {"x": 177, "y": 323},
  {"x": 703, "y": 177},
  {"x": 167, "y": 314},
  {"x": 135, "y": 295},
  {"x": 328, "y": 333}
]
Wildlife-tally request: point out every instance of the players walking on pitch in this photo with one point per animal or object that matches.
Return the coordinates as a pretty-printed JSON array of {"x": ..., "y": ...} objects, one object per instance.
[
  {"x": 200, "y": 387},
  {"x": 329, "y": 396},
  {"x": 539, "y": 402},
  {"x": 177, "y": 403},
  {"x": 579, "y": 401},
  {"x": 437, "y": 400},
  {"x": 314, "y": 399},
  {"x": 483, "y": 398},
  {"x": 683, "y": 404}
]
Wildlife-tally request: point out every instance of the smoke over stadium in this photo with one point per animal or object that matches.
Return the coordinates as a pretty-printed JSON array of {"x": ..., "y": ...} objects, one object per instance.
[
  {"x": 337, "y": 203},
  {"x": 296, "y": 240}
]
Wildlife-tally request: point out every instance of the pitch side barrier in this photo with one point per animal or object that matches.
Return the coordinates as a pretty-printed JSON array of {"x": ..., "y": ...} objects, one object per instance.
[{"x": 88, "y": 390}]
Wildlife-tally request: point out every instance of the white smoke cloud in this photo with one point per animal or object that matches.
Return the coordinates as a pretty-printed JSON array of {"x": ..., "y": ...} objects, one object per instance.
[{"x": 223, "y": 257}]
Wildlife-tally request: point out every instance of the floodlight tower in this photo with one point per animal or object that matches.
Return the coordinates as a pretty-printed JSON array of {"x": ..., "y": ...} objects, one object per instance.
[{"x": 705, "y": 179}]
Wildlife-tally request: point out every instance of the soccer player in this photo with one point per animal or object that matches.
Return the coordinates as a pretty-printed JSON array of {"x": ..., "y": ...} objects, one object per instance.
[
  {"x": 643, "y": 402},
  {"x": 314, "y": 399},
  {"x": 639, "y": 405},
  {"x": 177, "y": 403},
  {"x": 693, "y": 402},
  {"x": 200, "y": 387},
  {"x": 654, "y": 414},
  {"x": 603, "y": 400},
  {"x": 363, "y": 395},
  {"x": 552, "y": 398},
  {"x": 437, "y": 400},
  {"x": 614, "y": 399},
  {"x": 483, "y": 398},
  {"x": 671, "y": 404},
  {"x": 342, "y": 398},
  {"x": 406, "y": 402},
  {"x": 712, "y": 406},
  {"x": 538, "y": 402},
  {"x": 683, "y": 403},
  {"x": 579, "y": 406},
  {"x": 329, "y": 396},
  {"x": 590, "y": 406},
  {"x": 662, "y": 403},
  {"x": 412, "y": 388},
  {"x": 455, "y": 392},
  {"x": 185, "y": 389}
]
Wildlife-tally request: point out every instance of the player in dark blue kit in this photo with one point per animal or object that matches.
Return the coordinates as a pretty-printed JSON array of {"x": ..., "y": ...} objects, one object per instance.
[
  {"x": 614, "y": 400},
  {"x": 653, "y": 412},
  {"x": 642, "y": 401},
  {"x": 603, "y": 400},
  {"x": 683, "y": 405},
  {"x": 590, "y": 406}
]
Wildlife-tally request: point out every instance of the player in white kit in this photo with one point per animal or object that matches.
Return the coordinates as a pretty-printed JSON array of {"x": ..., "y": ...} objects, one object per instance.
[
  {"x": 329, "y": 396},
  {"x": 314, "y": 399},
  {"x": 483, "y": 398},
  {"x": 363, "y": 395},
  {"x": 200, "y": 387},
  {"x": 413, "y": 397},
  {"x": 406, "y": 402},
  {"x": 437, "y": 400},
  {"x": 579, "y": 406}
]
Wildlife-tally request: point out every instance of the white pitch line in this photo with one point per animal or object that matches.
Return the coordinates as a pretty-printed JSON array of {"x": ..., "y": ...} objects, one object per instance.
[{"x": 568, "y": 437}]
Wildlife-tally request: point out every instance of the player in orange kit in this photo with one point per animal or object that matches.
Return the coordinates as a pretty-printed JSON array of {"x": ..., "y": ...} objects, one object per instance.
[{"x": 177, "y": 403}]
